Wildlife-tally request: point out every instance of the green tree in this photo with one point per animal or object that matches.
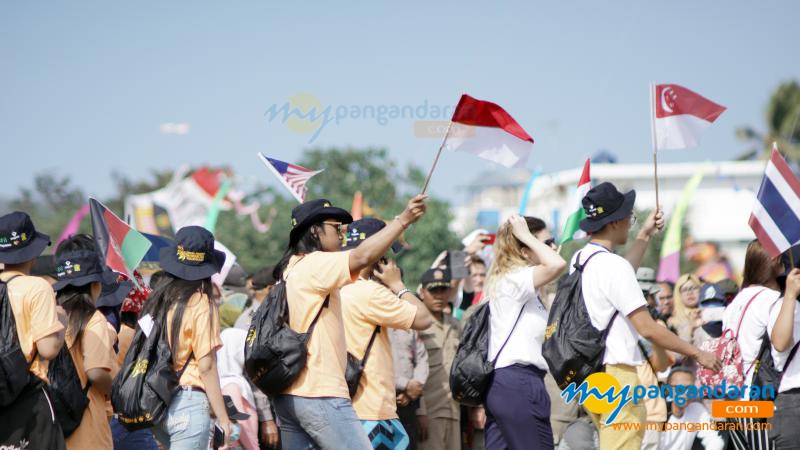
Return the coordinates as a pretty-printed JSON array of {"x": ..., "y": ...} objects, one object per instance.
[{"x": 782, "y": 119}]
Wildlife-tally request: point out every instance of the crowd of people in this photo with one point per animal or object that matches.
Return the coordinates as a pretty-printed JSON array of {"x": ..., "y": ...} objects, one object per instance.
[{"x": 71, "y": 322}]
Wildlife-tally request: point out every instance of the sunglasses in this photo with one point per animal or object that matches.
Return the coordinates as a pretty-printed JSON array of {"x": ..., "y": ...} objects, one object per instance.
[
  {"x": 550, "y": 242},
  {"x": 338, "y": 226}
]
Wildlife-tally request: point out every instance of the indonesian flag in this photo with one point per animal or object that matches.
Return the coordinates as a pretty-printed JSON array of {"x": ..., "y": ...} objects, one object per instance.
[
  {"x": 572, "y": 229},
  {"x": 681, "y": 116},
  {"x": 487, "y": 130}
]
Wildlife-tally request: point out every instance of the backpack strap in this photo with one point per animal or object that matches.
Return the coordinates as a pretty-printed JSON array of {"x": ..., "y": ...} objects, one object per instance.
[
  {"x": 745, "y": 310},
  {"x": 369, "y": 346},
  {"x": 185, "y": 365},
  {"x": 497, "y": 356},
  {"x": 578, "y": 266},
  {"x": 319, "y": 313}
]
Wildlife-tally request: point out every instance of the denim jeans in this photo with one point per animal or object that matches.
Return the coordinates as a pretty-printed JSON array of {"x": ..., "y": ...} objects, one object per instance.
[
  {"x": 131, "y": 440},
  {"x": 326, "y": 423},
  {"x": 188, "y": 423}
]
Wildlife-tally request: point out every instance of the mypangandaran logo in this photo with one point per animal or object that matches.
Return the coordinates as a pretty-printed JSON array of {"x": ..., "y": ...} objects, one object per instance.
[
  {"x": 601, "y": 393},
  {"x": 304, "y": 113}
]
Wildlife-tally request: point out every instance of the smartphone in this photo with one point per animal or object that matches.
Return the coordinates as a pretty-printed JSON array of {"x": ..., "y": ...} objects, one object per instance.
[
  {"x": 489, "y": 239},
  {"x": 458, "y": 267},
  {"x": 219, "y": 436}
]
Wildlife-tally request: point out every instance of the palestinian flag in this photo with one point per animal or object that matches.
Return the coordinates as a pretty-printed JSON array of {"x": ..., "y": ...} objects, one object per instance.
[
  {"x": 572, "y": 227},
  {"x": 120, "y": 246}
]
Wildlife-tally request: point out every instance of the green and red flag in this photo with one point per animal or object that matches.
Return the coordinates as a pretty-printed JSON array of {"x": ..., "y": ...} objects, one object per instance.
[
  {"x": 572, "y": 228},
  {"x": 120, "y": 246}
]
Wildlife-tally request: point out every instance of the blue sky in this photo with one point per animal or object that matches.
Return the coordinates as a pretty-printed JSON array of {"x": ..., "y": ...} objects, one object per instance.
[{"x": 85, "y": 85}]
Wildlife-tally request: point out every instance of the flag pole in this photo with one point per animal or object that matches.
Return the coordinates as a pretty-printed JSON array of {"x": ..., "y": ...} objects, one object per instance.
[
  {"x": 435, "y": 161},
  {"x": 653, "y": 138}
]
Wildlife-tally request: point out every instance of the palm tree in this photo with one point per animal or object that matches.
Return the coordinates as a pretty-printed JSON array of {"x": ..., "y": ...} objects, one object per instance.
[{"x": 783, "y": 125}]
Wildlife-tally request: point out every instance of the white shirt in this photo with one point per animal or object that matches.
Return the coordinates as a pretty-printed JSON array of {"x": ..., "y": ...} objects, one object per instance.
[
  {"x": 791, "y": 374},
  {"x": 683, "y": 439},
  {"x": 609, "y": 284},
  {"x": 515, "y": 291},
  {"x": 754, "y": 322}
]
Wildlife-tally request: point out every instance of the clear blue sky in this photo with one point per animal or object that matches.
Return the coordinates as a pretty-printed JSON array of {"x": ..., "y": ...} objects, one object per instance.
[{"x": 85, "y": 85}]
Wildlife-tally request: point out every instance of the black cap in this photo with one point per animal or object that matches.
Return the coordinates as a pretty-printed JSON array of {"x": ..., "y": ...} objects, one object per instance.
[
  {"x": 237, "y": 277},
  {"x": 263, "y": 278},
  {"x": 435, "y": 278},
  {"x": 711, "y": 295},
  {"x": 81, "y": 267},
  {"x": 315, "y": 211},
  {"x": 19, "y": 240},
  {"x": 192, "y": 255},
  {"x": 233, "y": 413},
  {"x": 604, "y": 204},
  {"x": 361, "y": 230}
]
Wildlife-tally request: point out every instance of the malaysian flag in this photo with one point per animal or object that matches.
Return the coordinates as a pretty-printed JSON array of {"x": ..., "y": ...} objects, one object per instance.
[
  {"x": 292, "y": 176},
  {"x": 776, "y": 215}
]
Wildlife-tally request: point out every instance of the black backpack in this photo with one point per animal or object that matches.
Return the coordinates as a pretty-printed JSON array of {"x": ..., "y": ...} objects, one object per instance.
[
  {"x": 68, "y": 396},
  {"x": 471, "y": 372},
  {"x": 355, "y": 366},
  {"x": 274, "y": 354},
  {"x": 14, "y": 368},
  {"x": 143, "y": 388},
  {"x": 573, "y": 347},
  {"x": 764, "y": 371}
]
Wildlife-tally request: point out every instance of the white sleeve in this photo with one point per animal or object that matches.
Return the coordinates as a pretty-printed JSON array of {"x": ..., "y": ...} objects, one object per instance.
[
  {"x": 523, "y": 278},
  {"x": 711, "y": 439},
  {"x": 622, "y": 289}
]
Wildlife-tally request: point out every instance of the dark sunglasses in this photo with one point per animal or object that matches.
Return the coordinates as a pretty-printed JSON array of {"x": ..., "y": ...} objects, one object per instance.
[{"x": 550, "y": 242}]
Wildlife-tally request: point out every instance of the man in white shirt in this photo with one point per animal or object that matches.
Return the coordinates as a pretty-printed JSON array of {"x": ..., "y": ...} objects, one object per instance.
[{"x": 609, "y": 286}]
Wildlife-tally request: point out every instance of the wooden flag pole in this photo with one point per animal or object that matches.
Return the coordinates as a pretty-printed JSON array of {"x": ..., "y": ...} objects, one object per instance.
[
  {"x": 653, "y": 138},
  {"x": 435, "y": 161}
]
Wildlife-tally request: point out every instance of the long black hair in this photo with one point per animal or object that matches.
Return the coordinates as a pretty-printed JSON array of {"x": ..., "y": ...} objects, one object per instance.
[
  {"x": 176, "y": 292},
  {"x": 307, "y": 243},
  {"x": 77, "y": 301}
]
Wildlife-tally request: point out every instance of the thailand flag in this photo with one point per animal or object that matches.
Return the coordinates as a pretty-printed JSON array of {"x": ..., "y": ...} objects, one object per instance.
[
  {"x": 488, "y": 131},
  {"x": 776, "y": 215},
  {"x": 293, "y": 177},
  {"x": 681, "y": 116}
]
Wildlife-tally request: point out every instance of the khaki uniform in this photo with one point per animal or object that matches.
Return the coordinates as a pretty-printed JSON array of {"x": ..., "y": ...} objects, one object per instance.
[{"x": 441, "y": 342}]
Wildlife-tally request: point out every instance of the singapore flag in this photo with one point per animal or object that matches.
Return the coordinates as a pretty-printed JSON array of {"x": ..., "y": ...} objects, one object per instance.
[{"x": 681, "y": 116}]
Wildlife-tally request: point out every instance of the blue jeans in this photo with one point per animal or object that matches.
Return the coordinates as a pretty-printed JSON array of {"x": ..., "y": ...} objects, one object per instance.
[
  {"x": 188, "y": 423},
  {"x": 326, "y": 423},
  {"x": 131, "y": 440}
]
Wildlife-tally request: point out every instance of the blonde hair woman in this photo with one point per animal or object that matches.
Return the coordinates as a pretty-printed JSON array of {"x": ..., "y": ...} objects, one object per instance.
[
  {"x": 685, "y": 319},
  {"x": 517, "y": 404}
]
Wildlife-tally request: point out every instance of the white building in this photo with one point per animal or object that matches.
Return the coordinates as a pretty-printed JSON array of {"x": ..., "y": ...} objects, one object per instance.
[{"x": 718, "y": 212}]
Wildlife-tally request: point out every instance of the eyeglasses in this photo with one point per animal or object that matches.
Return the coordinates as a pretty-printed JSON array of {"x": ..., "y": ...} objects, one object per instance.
[
  {"x": 687, "y": 289},
  {"x": 337, "y": 226}
]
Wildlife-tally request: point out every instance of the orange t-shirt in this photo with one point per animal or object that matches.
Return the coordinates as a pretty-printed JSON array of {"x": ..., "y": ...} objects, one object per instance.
[
  {"x": 309, "y": 279},
  {"x": 96, "y": 351},
  {"x": 33, "y": 303},
  {"x": 365, "y": 305},
  {"x": 199, "y": 337},
  {"x": 126, "y": 334}
]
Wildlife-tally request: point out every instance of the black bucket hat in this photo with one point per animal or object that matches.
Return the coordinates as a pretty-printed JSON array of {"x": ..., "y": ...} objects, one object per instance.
[
  {"x": 114, "y": 294},
  {"x": 604, "y": 204},
  {"x": 19, "y": 240},
  {"x": 192, "y": 256},
  {"x": 315, "y": 211},
  {"x": 79, "y": 268},
  {"x": 361, "y": 230}
]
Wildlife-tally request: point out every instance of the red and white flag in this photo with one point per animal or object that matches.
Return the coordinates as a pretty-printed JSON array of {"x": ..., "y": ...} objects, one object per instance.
[
  {"x": 681, "y": 116},
  {"x": 487, "y": 130},
  {"x": 293, "y": 177}
]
